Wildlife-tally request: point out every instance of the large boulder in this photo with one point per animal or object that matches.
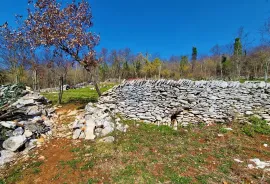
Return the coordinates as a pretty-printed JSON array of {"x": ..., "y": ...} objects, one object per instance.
[{"x": 14, "y": 143}]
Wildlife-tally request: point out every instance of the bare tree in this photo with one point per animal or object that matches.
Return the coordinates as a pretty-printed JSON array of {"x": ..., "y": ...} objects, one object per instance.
[{"x": 64, "y": 27}]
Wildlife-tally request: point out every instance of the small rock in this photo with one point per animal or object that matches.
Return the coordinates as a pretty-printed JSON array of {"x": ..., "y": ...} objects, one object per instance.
[
  {"x": 41, "y": 158},
  {"x": 237, "y": 160},
  {"x": 8, "y": 124},
  {"x": 89, "y": 133},
  {"x": 248, "y": 113},
  {"x": 260, "y": 164},
  {"x": 18, "y": 131},
  {"x": 106, "y": 131},
  {"x": 76, "y": 133},
  {"x": 27, "y": 133},
  {"x": 109, "y": 139}
]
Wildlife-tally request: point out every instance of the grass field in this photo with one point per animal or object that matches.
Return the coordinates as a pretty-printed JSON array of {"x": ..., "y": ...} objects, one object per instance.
[
  {"x": 150, "y": 154},
  {"x": 82, "y": 95}
]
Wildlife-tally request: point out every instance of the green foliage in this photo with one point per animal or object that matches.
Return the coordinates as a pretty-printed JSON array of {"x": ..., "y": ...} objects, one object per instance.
[
  {"x": 92, "y": 181},
  {"x": 227, "y": 66},
  {"x": 35, "y": 170},
  {"x": 183, "y": 65},
  {"x": 203, "y": 179},
  {"x": 163, "y": 130},
  {"x": 71, "y": 163},
  {"x": 74, "y": 150},
  {"x": 36, "y": 164},
  {"x": 88, "y": 165},
  {"x": 151, "y": 69},
  {"x": 257, "y": 126},
  {"x": 180, "y": 179},
  {"x": 223, "y": 130},
  {"x": 103, "y": 70},
  {"x": 238, "y": 51},
  {"x": 194, "y": 54},
  {"x": 225, "y": 167},
  {"x": 15, "y": 175}
]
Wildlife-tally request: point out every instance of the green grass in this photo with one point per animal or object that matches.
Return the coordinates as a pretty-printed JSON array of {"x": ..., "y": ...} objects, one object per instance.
[
  {"x": 92, "y": 181},
  {"x": 82, "y": 95},
  {"x": 158, "y": 154},
  {"x": 88, "y": 165},
  {"x": 223, "y": 130},
  {"x": 256, "y": 126}
]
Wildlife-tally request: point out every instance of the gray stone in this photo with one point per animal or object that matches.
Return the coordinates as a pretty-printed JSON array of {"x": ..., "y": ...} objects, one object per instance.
[
  {"x": 27, "y": 133},
  {"x": 14, "y": 143},
  {"x": 109, "y": 139},
  {"x": 76, "y": 133},
  {"x": 33, "y": 111},
  {"x": 248, "y": 113},
  {"x": 18, "y": 131},
  {"x": 6, "y": 156},
  {"x": 8, "y": 124}
]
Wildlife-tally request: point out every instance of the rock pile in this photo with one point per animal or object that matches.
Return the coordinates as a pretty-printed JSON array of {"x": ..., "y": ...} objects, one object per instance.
[
  {"x": 97, "y": 121},
  {"x": 186, "y": 101},
  {"x": 23, "y": 123}
]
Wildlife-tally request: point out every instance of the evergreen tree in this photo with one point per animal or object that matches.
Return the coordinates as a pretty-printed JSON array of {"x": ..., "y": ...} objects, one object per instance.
[
  {"x": 194, "y": 57},
  {"x": 238, "y": 51}
]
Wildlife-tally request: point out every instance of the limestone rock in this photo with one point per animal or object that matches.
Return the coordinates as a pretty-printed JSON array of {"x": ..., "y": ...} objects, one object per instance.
[
  {"x": 76, "y": 133},
  {"x": 14, "y": 143},
  {"x": 109, "y": 139},
  {"x": 6, "y": 156},
  {"x": 18, "y": 131},
  {"x": 8, "y": 124}
]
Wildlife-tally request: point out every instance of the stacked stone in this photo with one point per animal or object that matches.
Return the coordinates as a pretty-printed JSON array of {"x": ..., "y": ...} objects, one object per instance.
[
  {"x": 22, "y": 123},
  {"x": 97, "y": 121},
  {"x": 190, "y": 101}
]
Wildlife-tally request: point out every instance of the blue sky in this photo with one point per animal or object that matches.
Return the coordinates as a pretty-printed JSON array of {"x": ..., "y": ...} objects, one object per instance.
[{"x": 168, "y": 27}]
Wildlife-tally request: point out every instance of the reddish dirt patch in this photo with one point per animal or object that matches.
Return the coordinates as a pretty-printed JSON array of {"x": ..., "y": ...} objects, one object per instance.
[
  {"x": 55, "y": 151},
  {"x": 158, "y": 169}
]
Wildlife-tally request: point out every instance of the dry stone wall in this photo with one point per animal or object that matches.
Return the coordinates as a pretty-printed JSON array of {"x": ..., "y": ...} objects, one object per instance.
[{"x": 161, "y": 101}]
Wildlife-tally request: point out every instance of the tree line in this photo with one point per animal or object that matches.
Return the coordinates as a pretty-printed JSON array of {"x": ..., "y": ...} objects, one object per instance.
[{"x": 55, "y": 45}]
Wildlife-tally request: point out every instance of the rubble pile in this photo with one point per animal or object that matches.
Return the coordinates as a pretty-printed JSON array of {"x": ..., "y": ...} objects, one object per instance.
[
  {"x": 97, "y": 121},
  {"x": 25, "y": 121}
]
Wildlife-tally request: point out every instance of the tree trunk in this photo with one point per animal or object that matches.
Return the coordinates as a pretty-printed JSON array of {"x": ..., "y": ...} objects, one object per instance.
[
  {"x": 221, "y": 68},
  {"x": 60, "y": 94},
  {"x": 95, "y": 81},
  {"x": 35, "y": 80},
  {"x": 265, "y": 75}
]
